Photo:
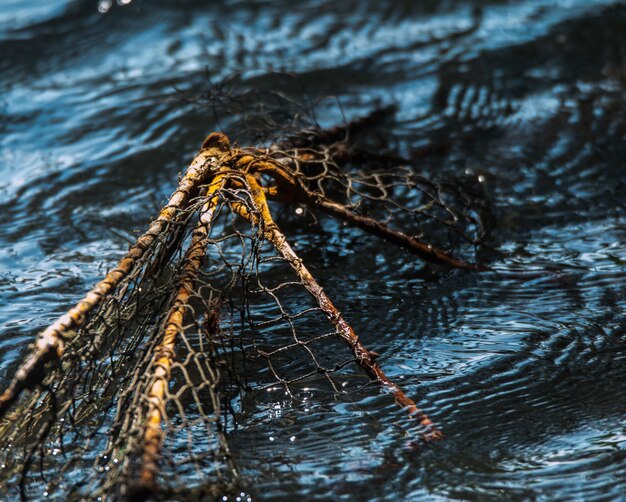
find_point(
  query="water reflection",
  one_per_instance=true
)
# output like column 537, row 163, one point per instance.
column 103, row 103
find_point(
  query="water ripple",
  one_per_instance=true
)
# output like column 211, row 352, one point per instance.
column 522, row 366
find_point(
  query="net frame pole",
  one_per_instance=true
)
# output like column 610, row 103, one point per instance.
column 365, row 358
column 153, row 435
column 50, row 344
column 287, row 182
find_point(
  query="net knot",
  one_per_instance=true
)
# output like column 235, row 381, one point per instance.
column 164, row 352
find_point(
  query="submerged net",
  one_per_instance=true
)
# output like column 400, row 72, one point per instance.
column 134, row 392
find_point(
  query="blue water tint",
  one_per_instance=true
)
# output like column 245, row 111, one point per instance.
column 102, row 104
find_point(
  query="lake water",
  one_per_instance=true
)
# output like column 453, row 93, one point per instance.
column 102, row 104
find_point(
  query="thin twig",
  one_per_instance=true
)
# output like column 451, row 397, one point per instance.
column 49, row 345
column 365, row 358
column 426, row 251
column 289, row 181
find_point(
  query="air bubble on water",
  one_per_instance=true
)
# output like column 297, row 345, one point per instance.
column 481, row 178
column 299, row 211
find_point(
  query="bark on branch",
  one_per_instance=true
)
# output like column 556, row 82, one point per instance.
column 288, row 181
column 365, row 358
column 164, row 352
column 49, row 345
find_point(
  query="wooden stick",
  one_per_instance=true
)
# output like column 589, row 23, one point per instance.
column 365, row 358
column 161, row 367
column 288, row 181
column 49, row 345
column 426, row 251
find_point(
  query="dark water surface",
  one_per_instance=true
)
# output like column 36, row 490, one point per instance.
column 524, row 367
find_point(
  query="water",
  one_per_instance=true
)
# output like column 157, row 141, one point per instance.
column 102, row 105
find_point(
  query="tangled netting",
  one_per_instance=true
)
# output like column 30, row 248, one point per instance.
column 134, row 391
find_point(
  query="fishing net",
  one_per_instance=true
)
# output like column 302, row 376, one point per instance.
column 133, row 393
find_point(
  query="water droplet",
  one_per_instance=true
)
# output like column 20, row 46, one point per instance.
column 292, row 438
column 299, row 210
column 104, row 6
column 481, row 178
column 271, row 438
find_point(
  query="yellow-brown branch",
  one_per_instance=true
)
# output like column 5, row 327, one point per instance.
column 49, row 345
column 153, row 432
column 364, row 357
column 289, row 182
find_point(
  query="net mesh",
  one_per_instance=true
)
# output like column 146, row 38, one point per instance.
column 444, row 214
column 148, row 380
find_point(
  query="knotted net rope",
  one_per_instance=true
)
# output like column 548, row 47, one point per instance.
column 135, row 390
